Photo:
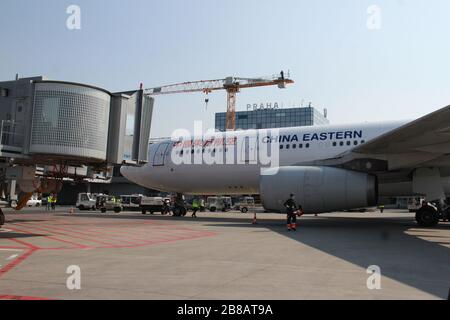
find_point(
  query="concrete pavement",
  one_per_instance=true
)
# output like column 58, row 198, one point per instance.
column 221, row 256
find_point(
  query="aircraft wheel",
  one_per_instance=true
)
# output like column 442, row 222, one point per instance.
column 427, row 217
column 178, row 212
column 244, row 210
column 2, row 218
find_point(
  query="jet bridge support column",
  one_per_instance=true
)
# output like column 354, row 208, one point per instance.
column 427, row 181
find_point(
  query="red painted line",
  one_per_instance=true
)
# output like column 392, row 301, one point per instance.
column 150, row 232
column 16, row 262
column 78, row 245
column 148, row 243
column 103, row 232
column 143, row 236
column 129, row 233
column 86, row 236
column 142, row 243
column 28, row 245
column 69, row 235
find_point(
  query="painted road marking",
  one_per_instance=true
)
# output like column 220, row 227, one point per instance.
column 12, row 257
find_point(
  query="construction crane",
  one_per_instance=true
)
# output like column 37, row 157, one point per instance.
column 231, row 84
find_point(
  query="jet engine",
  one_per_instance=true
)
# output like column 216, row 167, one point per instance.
column 317, row 189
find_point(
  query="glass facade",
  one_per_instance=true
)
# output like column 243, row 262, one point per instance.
column 70, row 119
column 273, row 118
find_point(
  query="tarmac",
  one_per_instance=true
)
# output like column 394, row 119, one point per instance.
column 90, row 255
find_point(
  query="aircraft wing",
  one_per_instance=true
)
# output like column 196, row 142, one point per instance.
column 423, row 142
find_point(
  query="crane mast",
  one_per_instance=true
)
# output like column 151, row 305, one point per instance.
column 232, row 85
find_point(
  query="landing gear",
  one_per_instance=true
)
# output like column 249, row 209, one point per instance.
column 179, row 209
column 2, row 218
column 427, row 216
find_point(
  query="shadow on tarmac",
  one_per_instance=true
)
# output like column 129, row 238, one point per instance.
column 392, row 244
column 15, row 235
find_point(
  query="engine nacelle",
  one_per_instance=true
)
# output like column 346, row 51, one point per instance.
column 317, row 189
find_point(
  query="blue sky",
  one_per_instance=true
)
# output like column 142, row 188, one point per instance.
column 401, row 71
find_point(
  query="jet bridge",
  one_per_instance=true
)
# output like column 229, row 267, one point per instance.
column 55, row 130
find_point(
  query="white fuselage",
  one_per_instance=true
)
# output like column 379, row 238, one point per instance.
column 224, row 163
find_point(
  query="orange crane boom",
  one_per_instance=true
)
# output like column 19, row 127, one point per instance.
column 231, row 84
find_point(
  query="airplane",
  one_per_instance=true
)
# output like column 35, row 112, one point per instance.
column 328, row 168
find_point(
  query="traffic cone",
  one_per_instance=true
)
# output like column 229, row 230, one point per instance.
column 254, row 218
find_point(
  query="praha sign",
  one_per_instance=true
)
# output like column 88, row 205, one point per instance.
column 263, row 106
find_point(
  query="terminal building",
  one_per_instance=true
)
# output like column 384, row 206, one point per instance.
column 265, row 118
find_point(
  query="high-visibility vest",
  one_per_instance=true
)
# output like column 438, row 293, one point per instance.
column 195, row 204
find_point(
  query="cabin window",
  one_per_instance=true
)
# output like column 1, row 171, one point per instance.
column 334, row 144
column 300, row 146
column 355, row 143
column 307, row 145
column 294, row 146
column 288, row 146
column 341, row 143
column 349, row 143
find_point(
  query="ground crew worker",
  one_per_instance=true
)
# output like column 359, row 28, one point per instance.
column 54, row 202
column 49, row 202
column 202, row 205
column 195, row 207
column 292, row 211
